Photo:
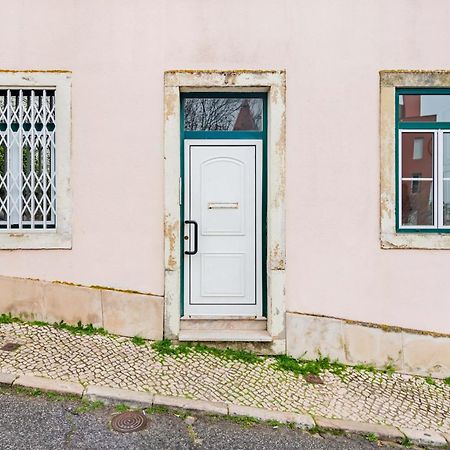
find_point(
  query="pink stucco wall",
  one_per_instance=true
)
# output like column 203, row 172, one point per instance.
column 332, row 51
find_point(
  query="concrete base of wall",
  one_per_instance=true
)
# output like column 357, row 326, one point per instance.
column 119, row 312
column 352, row 343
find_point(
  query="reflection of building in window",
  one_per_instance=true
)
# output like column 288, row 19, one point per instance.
column 418, row 148
column 410, row 110
column 417, row 178
column 415, row 185
column 223, row 114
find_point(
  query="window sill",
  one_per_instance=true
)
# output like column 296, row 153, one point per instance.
column 34, row 240
column 416, row 240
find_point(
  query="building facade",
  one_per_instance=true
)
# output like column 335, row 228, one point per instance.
column 271, row 174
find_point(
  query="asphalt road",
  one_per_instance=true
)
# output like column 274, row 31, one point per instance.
column 32, row 423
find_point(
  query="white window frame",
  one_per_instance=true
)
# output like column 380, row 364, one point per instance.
column 61, row 236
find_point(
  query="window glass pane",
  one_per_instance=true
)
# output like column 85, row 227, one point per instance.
column 417, row 155
column 446, row 156
column 417, row 202
column 223, row 114
column 424, row 108
column 446, row 200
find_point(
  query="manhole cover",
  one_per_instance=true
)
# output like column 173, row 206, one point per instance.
column 128, row 422
column 10, row 347
column 313, row 379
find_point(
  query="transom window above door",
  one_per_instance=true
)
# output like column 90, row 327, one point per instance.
column 423, row 160
column 209, row 112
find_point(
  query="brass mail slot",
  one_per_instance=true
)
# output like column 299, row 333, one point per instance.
column 234, row 205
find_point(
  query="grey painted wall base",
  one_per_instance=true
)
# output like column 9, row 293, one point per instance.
column 353, row 343
column 122, row 313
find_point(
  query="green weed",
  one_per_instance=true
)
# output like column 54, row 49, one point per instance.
column 429, row 380
column 447, row 381
column 166, row 348
column 79, row 328
column 406, row 442
column 389, row 369
column 372, row 437
column 121, row 407
column 87, row 406
column 307, row 367
column 365, row 368
column 137, row 340
column 157, row 409
column 8, row 318
column 243, row 421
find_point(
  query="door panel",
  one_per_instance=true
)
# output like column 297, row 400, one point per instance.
column 222, row 193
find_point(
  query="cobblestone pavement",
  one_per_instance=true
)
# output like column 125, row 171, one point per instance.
column 399, row 400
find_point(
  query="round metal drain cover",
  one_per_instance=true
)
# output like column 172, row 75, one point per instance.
column 128, row 422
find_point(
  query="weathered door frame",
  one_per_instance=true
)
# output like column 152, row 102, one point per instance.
column 273, row 83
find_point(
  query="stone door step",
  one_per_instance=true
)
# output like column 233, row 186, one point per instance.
column 223, row 323
column 218, row 335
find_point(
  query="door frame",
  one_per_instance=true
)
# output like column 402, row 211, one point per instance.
column 273, row 83
column 260, row 204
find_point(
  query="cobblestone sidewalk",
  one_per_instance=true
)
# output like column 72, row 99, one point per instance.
column 398, row 400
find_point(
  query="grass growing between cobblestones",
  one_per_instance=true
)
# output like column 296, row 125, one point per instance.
column 307, row 367
column 137, row 340
column 79, row 328
column 166, row 348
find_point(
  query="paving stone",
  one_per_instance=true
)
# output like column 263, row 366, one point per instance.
column 425, row 438
column 47, row 384
column 114, row 395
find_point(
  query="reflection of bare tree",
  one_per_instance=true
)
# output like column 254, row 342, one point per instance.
column 220, row 114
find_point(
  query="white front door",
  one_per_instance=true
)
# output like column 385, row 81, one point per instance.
column 222, row 231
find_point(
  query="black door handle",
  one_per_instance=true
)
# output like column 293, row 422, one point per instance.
column 193, row 222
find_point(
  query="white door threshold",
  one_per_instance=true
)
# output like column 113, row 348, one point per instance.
column 225, row 336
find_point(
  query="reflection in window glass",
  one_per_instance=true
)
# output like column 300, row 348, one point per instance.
column 411, row 149
column 223, row 114
column 418, row 148
column 424, row 108
column 417, row 202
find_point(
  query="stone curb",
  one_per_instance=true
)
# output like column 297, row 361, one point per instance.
column 384, row 432
column 146, row 399
column 300, row 420
column 186, row 403
column 7, row 379
column 425, row 438
column 113, row 395
column 48, row 384
column 447, row 437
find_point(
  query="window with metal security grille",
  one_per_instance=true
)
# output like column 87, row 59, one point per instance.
column 27, row 159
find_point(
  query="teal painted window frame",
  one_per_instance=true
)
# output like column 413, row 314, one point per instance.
column 413, row 126
column 259, row 135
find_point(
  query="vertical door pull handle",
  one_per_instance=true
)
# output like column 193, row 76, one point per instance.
column 193, row 222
